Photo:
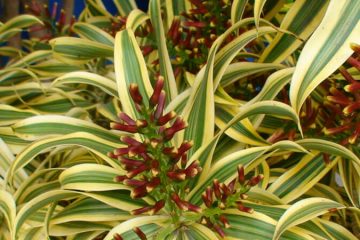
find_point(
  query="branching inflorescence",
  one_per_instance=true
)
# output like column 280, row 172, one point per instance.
column 157, row 169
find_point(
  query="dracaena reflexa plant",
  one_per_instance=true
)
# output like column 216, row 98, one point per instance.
column 223, row 150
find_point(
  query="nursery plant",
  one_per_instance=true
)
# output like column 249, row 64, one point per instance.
column 196, row 120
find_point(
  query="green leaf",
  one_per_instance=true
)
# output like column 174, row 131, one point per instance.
column 326, row 50
column 91, row 177
column 78, row 51
column 302, row 19
column 303, row 211
column 130, row 67
column 105, row 84
column 165, row 64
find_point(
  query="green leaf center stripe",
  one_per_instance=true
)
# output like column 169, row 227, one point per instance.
column 296, row 26
column 250, row 228
column 64, row 128
column 312, row 169
column 342, row 29
column 226, row 117
column 132, row 74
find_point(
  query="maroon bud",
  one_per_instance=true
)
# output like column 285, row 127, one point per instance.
column 242, row 208
column 255, row 180
column 241, row 174
column 137, row 150
column 231, row 186
column 219, row 230
column 117, row 237
column 170, row 151
column 192, row 207
column 206, row 200
column 183, row 160
column 178, row 125
column 141, row 210
column 226, row 191
column 146, row 49
column 130, row 164
column 355, row 134
column 154, row 99
column 176, row 199
column 157, row 207
column 224, row 221
column 160, row 105
column 138, row 192
column 354, row 87
column 140, row 233
column 216, row 188
column 177, row 176
column 134, row 182
column 120, row 178
column 193, row 169
column 166, row 118
column 153, row 184
column 196, row 24
column 136, row 171
column 141, row 123
column 185, row 146
column 130, row 141
column 123, row 127
column 121, row 151
column 135, row 94
column 351, row 108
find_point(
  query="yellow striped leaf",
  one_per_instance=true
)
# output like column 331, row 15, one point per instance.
column 91, row 177
column 302, row 19
column 303, row 211
column 105, row 84
column 326, row 50
column 165, row 64
column 130, row 67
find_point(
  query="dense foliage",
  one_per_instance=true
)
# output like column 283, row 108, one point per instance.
column 211, row 119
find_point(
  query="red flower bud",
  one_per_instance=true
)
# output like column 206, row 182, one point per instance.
column 178, row 202
column 166, row 118
column 354, row 87
column 192, row 207
column 135, row 94
column 120, row 178
column 351, row 108
column 241, row 174
column 178, row 125
column 224, row 221
column 134, row 182
column 130, row 141
column 117, row 237
column 141, row 210
column 137, row 150
column 146, row 49
column 121, row 151
column 160, row 105
column 138, row 192
column 157, row 207
column 153, row 184
column 136, row 171
column 242, row 208
column 255, row 180
column 140, row 233
column 219, row 230
column 123, row 127
column 216, row 188
column 154, row 99
column 177, row 176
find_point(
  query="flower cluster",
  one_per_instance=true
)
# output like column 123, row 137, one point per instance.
column 191, row 38
column 156, row 169
column 54, row 24
column 221, row 196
